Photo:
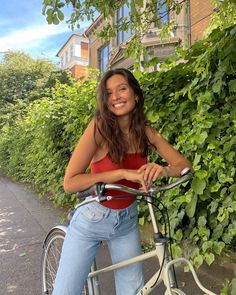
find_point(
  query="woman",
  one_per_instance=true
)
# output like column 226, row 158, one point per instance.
column 115, row 146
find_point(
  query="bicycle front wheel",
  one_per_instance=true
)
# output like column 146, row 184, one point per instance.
column 50, row 260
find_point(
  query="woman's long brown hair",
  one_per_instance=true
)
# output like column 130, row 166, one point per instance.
column 107, row 123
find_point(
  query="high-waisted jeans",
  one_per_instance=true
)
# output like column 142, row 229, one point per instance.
column 90, row 225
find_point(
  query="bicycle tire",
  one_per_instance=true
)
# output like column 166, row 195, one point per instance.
column 50, row 261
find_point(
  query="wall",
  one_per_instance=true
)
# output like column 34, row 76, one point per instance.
column 200, row 13
column 79, row 71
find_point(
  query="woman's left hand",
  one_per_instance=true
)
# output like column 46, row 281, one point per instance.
column 151, row 172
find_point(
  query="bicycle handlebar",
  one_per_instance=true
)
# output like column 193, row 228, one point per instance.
column 100, row 188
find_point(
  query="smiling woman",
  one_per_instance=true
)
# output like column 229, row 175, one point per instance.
column 115, row 146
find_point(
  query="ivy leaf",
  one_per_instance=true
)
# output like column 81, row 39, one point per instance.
column 141, row 220
column 201, row 174
column 197, row 158
column 198, row 185
column 202, row 221
column 198, row 260
column 191, row 206
column 200, row 137
column 232, row 86
column 233, row 286
column 218, row 247
column 217, row 86
column 209, row 258
column 207, row 245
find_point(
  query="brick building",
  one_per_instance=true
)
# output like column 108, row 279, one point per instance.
column 190, row 24
column 200, row 12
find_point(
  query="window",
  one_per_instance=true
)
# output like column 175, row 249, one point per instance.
column 122, row 13
column 163, row 13
column 103, row 58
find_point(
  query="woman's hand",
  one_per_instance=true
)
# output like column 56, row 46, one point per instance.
column 151, row 171
column 135, row 176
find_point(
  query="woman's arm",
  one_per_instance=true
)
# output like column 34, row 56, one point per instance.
column 176, row 162
column 75, row 177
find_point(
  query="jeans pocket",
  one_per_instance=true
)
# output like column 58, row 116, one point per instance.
column 133, row 214
column 91, row 214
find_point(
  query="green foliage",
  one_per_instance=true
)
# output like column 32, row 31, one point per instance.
column 37, row 147
column 229, row 286
column 191, row 102
column 23, row 77
column 193, row 106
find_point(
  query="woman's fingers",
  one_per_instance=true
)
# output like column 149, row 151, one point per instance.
column 151, row 172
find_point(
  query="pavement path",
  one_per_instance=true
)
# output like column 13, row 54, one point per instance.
column 24, row 221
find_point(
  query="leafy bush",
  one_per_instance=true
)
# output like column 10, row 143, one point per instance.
column 193, row 106
column 48, row 134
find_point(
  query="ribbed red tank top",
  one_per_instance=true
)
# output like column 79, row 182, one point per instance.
column 131, row 161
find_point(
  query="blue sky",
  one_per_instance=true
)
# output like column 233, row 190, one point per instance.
column 24, row 28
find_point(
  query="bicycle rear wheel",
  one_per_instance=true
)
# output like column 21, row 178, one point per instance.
column 50, row 260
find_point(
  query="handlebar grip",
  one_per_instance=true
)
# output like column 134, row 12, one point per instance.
column 186, row 171
column 96, row 189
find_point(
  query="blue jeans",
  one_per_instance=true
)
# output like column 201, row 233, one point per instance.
column 90, row 225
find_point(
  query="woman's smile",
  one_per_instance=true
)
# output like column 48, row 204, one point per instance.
column 119, row 104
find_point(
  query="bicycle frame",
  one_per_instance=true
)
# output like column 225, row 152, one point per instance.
column 165, row 273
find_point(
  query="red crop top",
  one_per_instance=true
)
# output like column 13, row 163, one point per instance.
column 131, row 161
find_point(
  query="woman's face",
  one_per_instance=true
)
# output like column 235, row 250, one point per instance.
column 121, row 98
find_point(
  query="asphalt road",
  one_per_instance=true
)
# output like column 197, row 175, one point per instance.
column 24, row 222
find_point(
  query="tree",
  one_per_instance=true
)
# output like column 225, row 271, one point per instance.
column 142, row 14
column 25, row 78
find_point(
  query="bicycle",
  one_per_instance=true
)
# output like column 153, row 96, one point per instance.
column 54, row 240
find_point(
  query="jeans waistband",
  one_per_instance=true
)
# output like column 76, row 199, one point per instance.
column 106, row 211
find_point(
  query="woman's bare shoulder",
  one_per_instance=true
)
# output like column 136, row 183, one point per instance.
column 152, row 134
column 96, row 126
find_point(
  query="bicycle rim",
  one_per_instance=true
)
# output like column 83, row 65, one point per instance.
column 50, row 259
column 50, row 262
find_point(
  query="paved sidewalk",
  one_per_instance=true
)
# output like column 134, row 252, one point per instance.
column 24, row 221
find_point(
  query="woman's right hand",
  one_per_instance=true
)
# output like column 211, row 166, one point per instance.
column 135, row 176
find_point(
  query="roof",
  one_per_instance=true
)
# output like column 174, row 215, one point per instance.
column 94, row 25
column 79, row 35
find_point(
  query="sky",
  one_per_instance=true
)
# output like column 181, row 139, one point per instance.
column 24, row 28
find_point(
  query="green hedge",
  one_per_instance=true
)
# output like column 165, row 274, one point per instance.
column 193, row 106
column 192, row 103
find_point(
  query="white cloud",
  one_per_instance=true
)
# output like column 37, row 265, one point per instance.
column 30, row 37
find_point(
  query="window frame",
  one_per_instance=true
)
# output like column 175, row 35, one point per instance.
column 164, row 10
column 121, row 13
column 101, row 64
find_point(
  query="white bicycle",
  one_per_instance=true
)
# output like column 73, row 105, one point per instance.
column 166, row 273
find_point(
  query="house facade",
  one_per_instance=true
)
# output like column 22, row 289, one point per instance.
column 191, row 22
column 189, row 26
column 74, row 55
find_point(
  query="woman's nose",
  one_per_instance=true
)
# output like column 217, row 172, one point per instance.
column 115, row 95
